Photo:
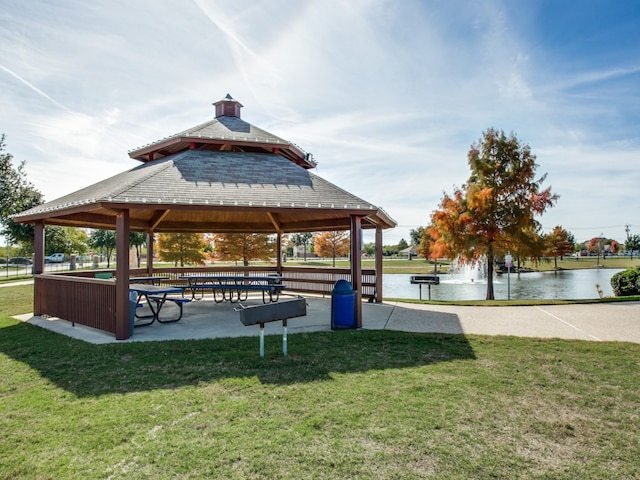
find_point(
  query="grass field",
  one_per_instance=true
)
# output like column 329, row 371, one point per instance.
column 348, row 404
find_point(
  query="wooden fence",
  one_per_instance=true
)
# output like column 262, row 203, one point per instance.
column 86, row 301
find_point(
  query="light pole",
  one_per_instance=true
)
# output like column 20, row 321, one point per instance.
column 6, row 240
column 508, row 261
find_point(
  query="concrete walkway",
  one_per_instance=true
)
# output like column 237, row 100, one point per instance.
column 597, row 322
column 15, row 284
column 206, row 319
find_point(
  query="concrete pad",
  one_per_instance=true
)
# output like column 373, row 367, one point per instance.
column 201, row 319
column 64, row 327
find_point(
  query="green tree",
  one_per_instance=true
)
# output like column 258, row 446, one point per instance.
column 416, row 235
column 369, row 248
column 633, row 243
column 104, row 241
column 182, row 248
column 390, row 250
column 16, row 195
column 138, row 240
column 402, row 244
column 245, row 247
column 559, row 242
column 494, row 212
column 65, row 240
column 302, row 240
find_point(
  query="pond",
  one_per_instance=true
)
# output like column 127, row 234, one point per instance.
column 561, row 285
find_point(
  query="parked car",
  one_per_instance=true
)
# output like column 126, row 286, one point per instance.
column 20, row 261
column 56, row 258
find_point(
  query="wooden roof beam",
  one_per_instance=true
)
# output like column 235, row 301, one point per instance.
column 158, row 216
column 275, row 222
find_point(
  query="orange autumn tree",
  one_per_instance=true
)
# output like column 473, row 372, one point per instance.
column 430, row 248
column 559, row 242
column 495, row 211
column 244, row 246
column 332, row 244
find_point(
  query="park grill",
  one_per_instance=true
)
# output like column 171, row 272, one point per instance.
column 272, row 312
column 425, row 280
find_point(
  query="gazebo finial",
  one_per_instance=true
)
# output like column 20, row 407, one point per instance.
column 228, row 107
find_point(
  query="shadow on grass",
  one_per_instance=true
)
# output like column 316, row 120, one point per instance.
column 87, row 370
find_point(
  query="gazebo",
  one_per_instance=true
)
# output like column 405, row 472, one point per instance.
column 222, row 176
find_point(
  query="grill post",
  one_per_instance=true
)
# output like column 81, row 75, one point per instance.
column 284, row 337
column 425, row 279
column 262, row 340
column 272, row 312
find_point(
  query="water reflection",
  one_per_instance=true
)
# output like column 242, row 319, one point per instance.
column 562, row 285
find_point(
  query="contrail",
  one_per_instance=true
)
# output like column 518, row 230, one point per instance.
column 229, row 33
column 34, row 88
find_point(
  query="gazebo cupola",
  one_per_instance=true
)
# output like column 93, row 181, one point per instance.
column 225, row 132
column 228, row 107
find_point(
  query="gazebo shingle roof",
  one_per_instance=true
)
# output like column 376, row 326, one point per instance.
column 219, row 184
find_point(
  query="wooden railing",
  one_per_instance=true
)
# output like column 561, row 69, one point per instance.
column 322, row 280
column 297, row 279
column 86, row 301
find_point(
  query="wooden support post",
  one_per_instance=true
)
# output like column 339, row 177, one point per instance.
column 122, row 275
column 279, row 252
column 356, row 266
column 150, row 246
column 38, row 247
column 38, row 263
column 378, row 298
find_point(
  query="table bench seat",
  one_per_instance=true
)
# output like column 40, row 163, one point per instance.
column 256, row 288
column 179, row 301
column 273, row 289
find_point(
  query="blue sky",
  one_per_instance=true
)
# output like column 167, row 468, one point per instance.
column 387, row 95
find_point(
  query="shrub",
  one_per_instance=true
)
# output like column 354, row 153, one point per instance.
column 626, row 283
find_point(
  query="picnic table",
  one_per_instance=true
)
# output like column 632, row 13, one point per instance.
column 155, row 297
column 235, row 288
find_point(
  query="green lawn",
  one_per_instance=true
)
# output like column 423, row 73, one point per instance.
column 348, row 404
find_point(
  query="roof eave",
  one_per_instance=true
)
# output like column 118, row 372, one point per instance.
column 74, row 215
column 284, row 148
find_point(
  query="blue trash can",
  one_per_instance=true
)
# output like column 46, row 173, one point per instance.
column 343, row 306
